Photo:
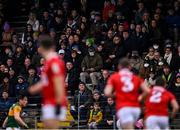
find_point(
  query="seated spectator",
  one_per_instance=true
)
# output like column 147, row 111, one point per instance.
column 7, row 35
column 175, row 88
column 33, row 21
column 91, row 66
column 168, row 76
column 72, row 77
column 102, row 81
column 82, row 99
column 32, row 76
column 95, row 116
column 98, row 98
column 5, row 101
column 109, row 114
column 5, row 104
column 21, row 85
column 7, row 86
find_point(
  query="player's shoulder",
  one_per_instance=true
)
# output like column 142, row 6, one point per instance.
column 115, row 75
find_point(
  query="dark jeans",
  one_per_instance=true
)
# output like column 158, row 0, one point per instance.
column 82, row 114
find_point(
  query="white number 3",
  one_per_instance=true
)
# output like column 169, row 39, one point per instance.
column 156, row 97
column 128, row 85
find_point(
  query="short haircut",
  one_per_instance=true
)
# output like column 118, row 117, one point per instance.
column 46, row 42
column 160, row 81
column 124, row 63
column 21, row 97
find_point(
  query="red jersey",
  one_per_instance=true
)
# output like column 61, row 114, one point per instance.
column 157, row 102
column 126, row 86
column 54, row 66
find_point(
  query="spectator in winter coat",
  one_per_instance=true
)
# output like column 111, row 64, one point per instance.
column 21, row 85
column 91, row 66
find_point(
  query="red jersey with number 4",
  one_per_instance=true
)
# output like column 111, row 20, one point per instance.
column 126, row 86
column 157, row 102
column 53, row 67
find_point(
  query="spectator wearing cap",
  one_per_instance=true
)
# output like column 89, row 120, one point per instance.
column 21, row 85
column 81, row 101
column 72, row 78
column 91, row 66
column 63, row 55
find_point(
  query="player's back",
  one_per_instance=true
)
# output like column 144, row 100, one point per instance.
column 126, row 86
column 53, row 67
column 157, row 101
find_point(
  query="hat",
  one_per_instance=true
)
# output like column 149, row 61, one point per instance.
column 91, row 49
column 168, row 46
column 90, row 41
column 96, row 92
column 61, row 51
column 20, row 77
column 178, row 75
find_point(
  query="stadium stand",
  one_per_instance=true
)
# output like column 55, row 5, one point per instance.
column 90, row 36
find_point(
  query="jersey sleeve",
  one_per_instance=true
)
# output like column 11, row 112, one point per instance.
column 17, row 109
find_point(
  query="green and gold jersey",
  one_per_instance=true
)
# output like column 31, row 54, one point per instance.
column 15, row 108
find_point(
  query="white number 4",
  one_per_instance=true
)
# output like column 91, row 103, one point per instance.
column 128, row 85
column 156, row 97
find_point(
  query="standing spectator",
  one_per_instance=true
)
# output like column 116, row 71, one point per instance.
column 95, row 116
column 72, row 77
column 91, row 66
column 19, row 56
column 82, row 99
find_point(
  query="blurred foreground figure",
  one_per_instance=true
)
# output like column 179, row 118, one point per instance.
column 126, row 86
column 52, row 85
column 157, row 103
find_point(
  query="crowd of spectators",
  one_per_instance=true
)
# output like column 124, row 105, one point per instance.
column 91, row 36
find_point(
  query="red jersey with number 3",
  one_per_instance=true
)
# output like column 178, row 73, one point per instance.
column 126, row 86
column 157, row 102
column 53, row 67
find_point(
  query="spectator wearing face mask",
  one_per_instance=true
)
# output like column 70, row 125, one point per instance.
column 91, row 66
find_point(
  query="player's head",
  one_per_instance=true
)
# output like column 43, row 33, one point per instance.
column 160, row 81
column 96, row 106
column 124, row 63
column 23, row 100
column 46, row 43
